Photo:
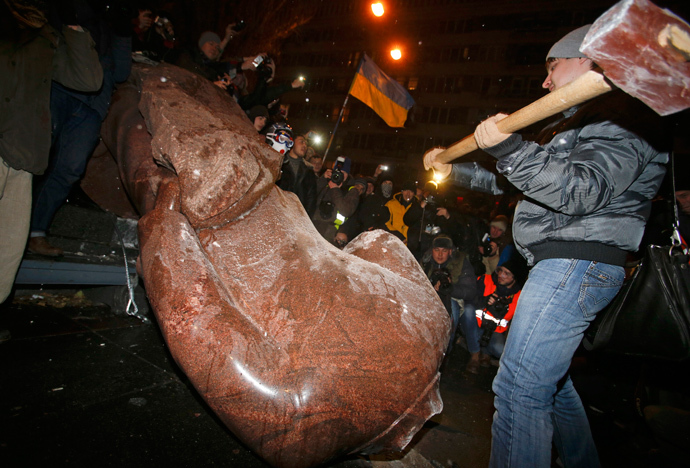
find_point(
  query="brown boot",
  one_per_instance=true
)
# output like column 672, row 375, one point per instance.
column 484, row 360
column 40, row 245
column 473, row 364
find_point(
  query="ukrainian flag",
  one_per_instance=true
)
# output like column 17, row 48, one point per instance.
column 388, row 98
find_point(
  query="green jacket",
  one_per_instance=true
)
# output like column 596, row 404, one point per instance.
column 27, row 66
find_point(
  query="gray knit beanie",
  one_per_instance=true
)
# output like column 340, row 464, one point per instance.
column 569, row 45
column 208, row 36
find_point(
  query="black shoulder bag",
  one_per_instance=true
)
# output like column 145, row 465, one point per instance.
column 650, row 316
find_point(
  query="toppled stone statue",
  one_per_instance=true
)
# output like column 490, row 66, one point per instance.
column 304, row 351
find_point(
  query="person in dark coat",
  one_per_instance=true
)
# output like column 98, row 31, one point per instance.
column 452, row 276
column 299, row 178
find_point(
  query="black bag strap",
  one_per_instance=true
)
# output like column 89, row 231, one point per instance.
column 675, row 234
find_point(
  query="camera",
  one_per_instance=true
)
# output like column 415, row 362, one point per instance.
column 432, row 229
column 240, row 25
column 337, row 175
column 486, row 245
column 262, row 69
column 258, row 61
column 429, row 214
column 442, row 275
column 500, row 307
column 162, row 22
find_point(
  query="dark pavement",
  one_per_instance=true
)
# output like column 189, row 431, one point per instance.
column 85, row 385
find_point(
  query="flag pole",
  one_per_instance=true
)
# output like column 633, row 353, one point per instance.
column 342, row 110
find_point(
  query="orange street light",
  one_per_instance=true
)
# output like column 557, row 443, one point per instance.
column 396, row 54
column 377, row 9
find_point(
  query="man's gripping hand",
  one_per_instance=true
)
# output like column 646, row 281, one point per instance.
column 441, row 170
column 487, row 133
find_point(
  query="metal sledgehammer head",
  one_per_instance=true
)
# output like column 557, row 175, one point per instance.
column 644, row 50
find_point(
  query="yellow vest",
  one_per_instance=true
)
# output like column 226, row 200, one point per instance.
column 395, row 223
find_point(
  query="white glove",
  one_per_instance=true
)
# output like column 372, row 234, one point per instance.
column 441, row 170
column 487, row 133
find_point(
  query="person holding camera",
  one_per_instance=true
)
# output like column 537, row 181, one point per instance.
column 427, row 219
column 154, row 35
column 452, row 276
column 204, row 60
column 486, row 327
column 398, row 206
column 263, row 93
column 493, row 247
column 490, row 254
column 333, row 204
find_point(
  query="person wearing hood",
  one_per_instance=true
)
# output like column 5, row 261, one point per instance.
column 335, row 205
column 398, row 206
column 258, row 115
column 486, row 328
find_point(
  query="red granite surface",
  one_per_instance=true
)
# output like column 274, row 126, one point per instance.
column 305, row 352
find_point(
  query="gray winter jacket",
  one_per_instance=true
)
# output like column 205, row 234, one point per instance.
column 589, row 179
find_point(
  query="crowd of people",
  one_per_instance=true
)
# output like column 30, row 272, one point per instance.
column 61, row 67
column 52, row 157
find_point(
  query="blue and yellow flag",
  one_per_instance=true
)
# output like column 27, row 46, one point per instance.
column 388, row 98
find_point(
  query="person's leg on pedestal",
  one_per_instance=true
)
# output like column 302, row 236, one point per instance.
column 76, row 129
column 15, row 214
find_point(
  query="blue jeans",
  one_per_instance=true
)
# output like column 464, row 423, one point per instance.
column 535, row 398
column 456, row 311
column 76, row 130
column 470, row 328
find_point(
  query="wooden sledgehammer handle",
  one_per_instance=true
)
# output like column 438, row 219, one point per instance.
column 586, row 87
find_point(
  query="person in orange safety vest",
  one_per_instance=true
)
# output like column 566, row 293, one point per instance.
column 495, row 308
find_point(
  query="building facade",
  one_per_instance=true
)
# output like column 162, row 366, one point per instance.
column 461, row 62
